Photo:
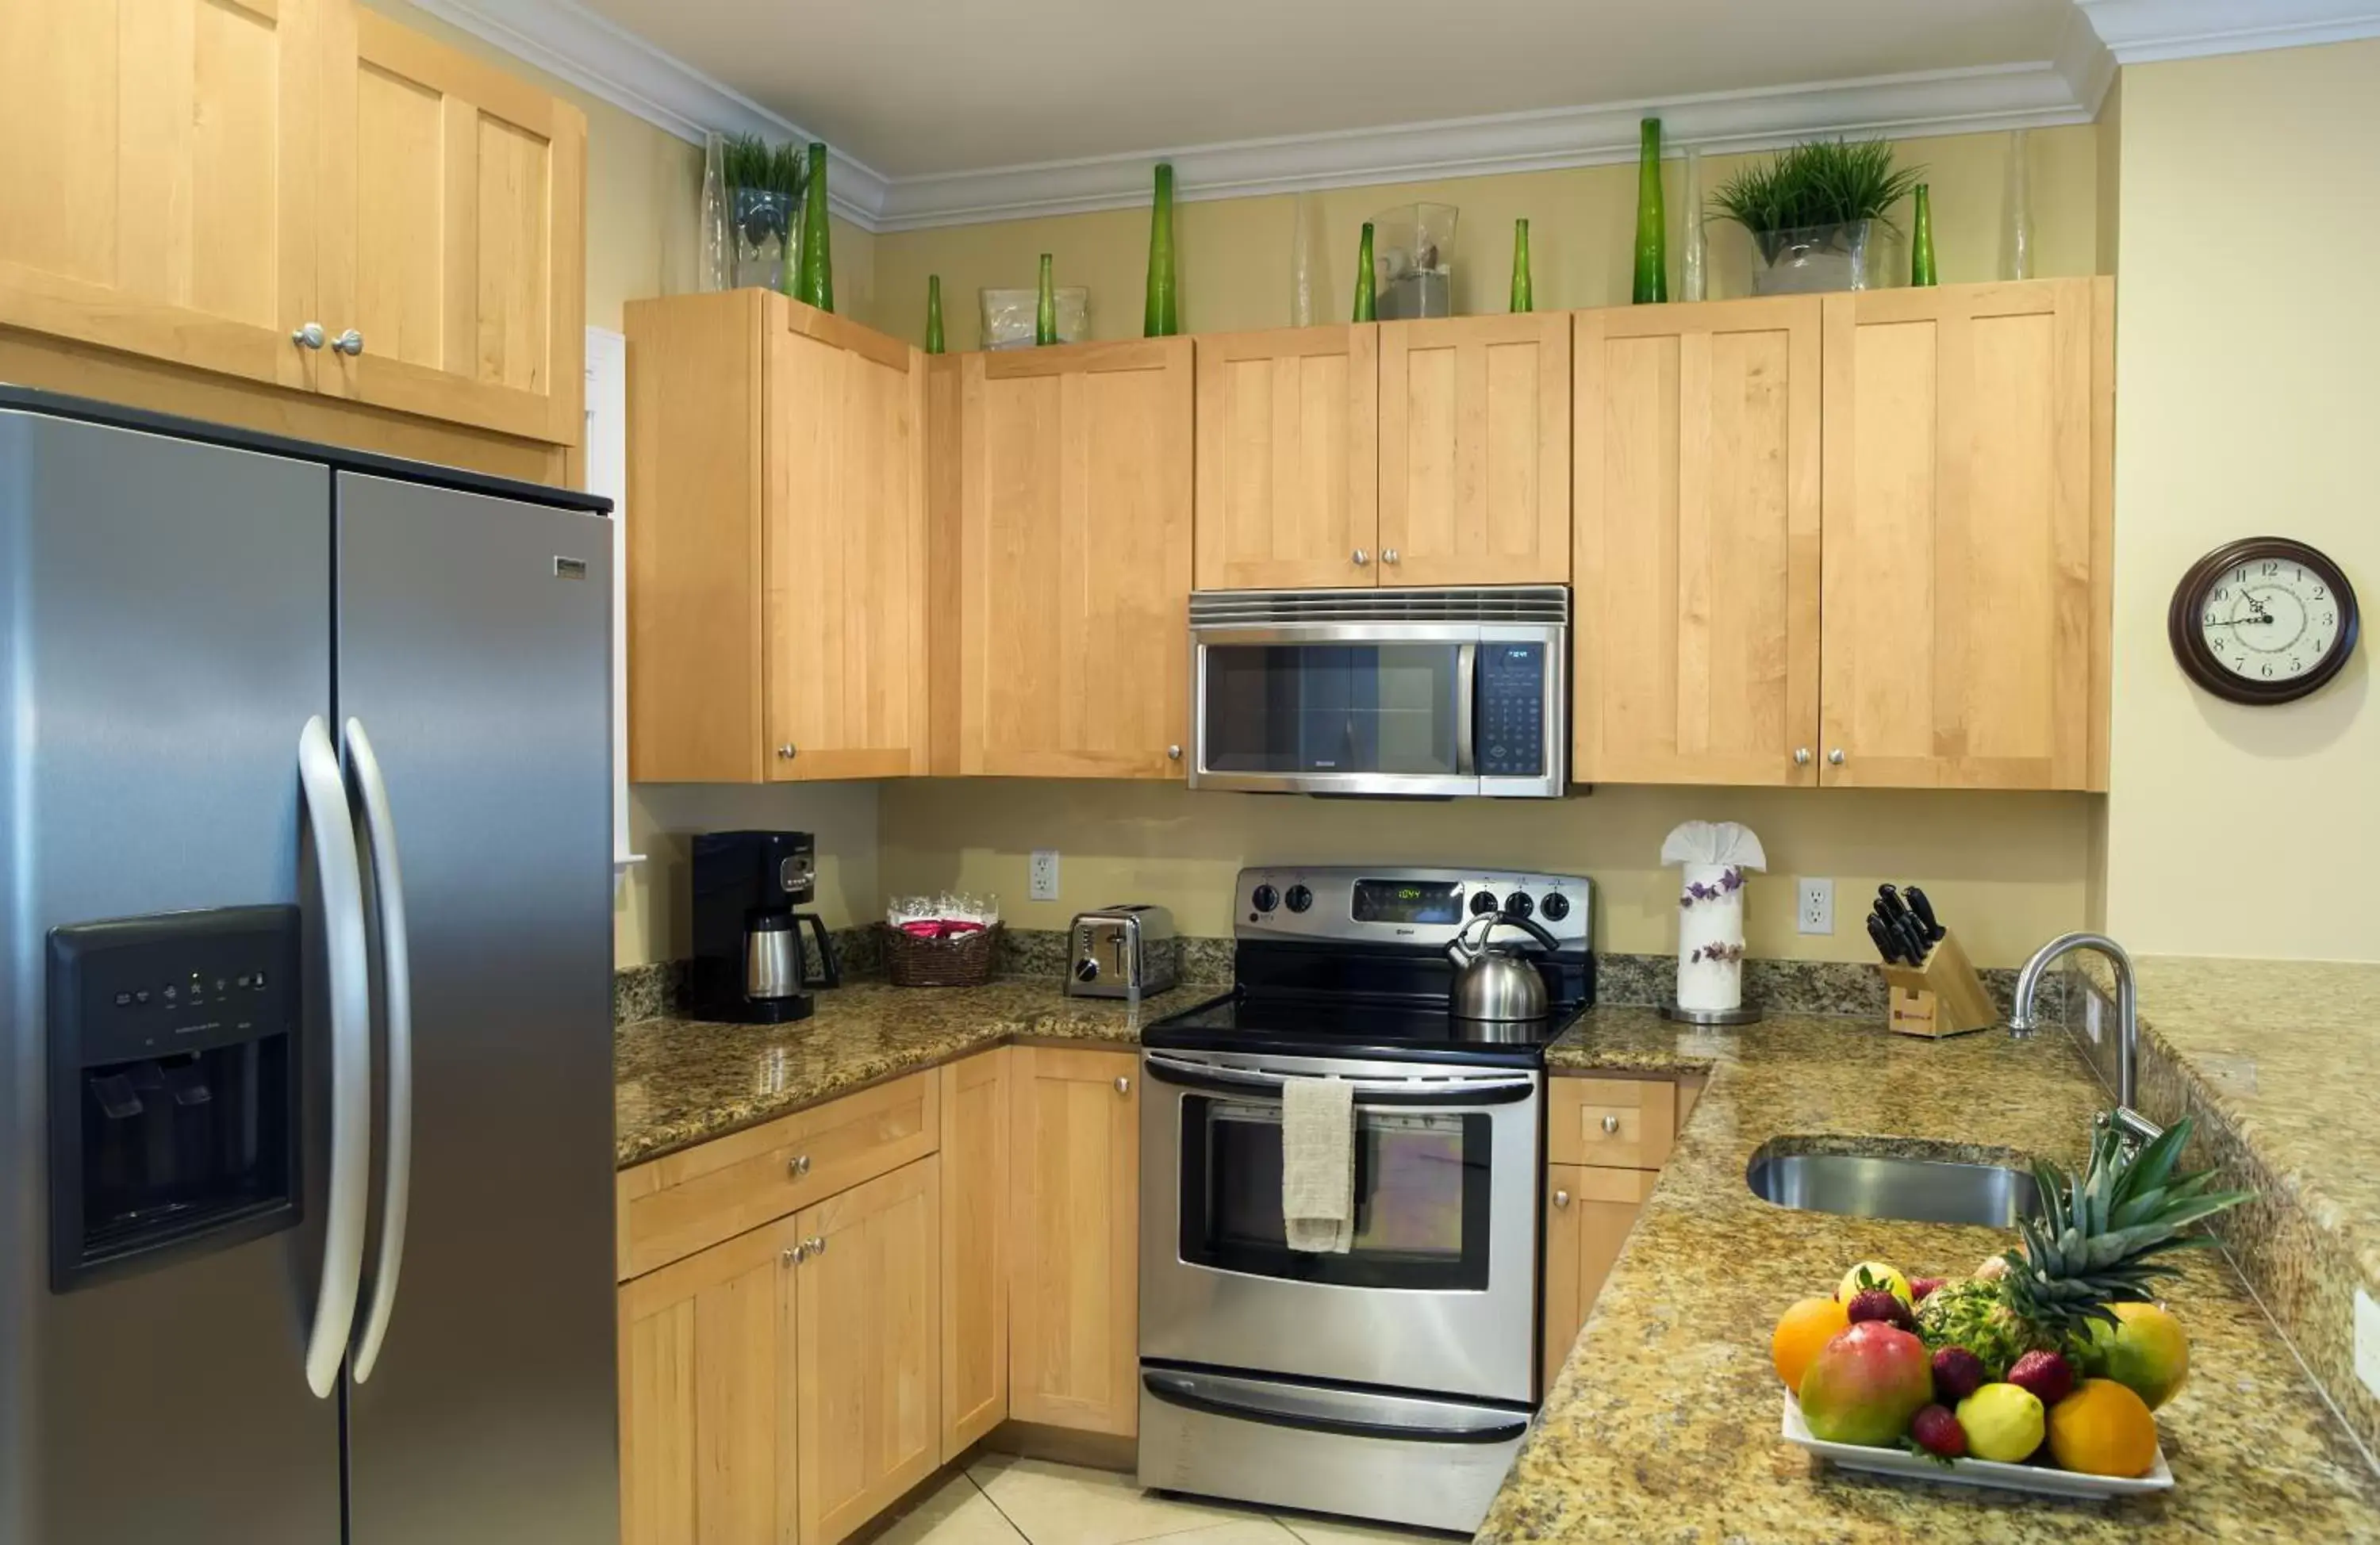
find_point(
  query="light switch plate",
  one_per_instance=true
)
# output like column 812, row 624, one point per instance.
column 1814, row 905
column 1044, row 873
column 2367, row 1342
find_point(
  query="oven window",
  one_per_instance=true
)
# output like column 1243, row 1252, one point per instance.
column 1331, row 708
column 1421, row 1197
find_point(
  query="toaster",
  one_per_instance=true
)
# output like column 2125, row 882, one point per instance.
column 1121, row 952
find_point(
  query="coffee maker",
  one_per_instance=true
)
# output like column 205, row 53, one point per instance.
column 748, row 963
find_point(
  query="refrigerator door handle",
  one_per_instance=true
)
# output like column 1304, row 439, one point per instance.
column 396, row 990
column 351, row 996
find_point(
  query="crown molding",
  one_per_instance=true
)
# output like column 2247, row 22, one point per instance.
column 572, row 43
column 1941, row 102
column 2143, row 32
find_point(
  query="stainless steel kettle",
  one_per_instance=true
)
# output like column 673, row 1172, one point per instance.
column 1494, row 980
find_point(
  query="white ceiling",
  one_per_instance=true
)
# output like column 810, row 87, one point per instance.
column 918, row 88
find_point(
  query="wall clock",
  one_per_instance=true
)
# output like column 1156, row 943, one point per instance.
column 2264, row 619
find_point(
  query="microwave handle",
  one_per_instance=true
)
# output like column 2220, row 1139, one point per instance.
column 1466, row 703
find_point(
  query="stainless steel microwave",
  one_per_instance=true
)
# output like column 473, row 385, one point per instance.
column 1428, row 692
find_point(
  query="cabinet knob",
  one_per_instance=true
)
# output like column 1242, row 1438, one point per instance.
column 786, row 753
column 815, row 1244
column 1387, row 555
column 1562, row 1198
column 309, row 336
column 1123, row 1086
column 1835, row 757
column 349, row 343
column 798, row 1167
column 794, row 1256
column 1801, row 757
column 1610, row 1124
column 1362, row 556
column 1173, row 754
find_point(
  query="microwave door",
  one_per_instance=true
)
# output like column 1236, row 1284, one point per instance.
column 1347, row 710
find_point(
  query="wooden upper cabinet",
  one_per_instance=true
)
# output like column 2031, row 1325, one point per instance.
column 452, row 235
column 157, row 195
column 1288, row 458
column 1695, row 625
column 1475, row 451
column 776, row 544
column 1075, row 1271
column 1073, row 560
column 1966, row 521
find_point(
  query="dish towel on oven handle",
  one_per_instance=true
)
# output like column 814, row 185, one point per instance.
column 1317, row 1165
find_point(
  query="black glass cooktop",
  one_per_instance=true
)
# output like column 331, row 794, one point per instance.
column 1354, row 1025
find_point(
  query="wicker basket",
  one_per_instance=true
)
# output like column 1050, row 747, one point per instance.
column 964, row 960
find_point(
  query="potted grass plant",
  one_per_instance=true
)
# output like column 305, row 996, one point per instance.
column 1814, row 211
column 764, row 193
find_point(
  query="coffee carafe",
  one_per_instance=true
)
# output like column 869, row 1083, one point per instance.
column 750, row 966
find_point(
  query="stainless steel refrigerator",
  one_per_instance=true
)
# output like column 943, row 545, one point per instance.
column 305, row 997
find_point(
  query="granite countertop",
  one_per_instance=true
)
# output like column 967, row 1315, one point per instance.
column 1664, row 1422
column 677, row 1082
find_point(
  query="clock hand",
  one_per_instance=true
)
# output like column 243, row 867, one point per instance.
column 2244, row 622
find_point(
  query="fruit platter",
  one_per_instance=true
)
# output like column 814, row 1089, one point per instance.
column 2041, row 1371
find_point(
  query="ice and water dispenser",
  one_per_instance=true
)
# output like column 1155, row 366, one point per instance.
column 173, row 1087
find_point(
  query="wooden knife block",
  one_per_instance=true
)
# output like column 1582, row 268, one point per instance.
column 1938, row 997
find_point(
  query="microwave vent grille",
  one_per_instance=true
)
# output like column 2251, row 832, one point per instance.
column 1506, row 603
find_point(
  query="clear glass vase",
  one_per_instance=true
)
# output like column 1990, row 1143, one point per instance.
column 718, row 260
column 2016, row 211
column 1812, row 259
column 1694, row 254
column 1309, row 264
column 763, row 221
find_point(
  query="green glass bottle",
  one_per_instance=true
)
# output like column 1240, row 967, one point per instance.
column 933, row 313
column 817, row 267
column 1523, row 292
column 1920, row 240
column 1161, row 318
column 1652, row 285
column 1364, row 309
column 1045, row 309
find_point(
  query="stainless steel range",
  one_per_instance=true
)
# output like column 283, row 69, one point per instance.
column 1392, row 1380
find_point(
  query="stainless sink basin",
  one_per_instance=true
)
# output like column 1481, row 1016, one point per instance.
column 1914, row 1189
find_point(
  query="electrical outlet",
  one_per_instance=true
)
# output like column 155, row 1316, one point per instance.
column 1814, row 908
column 2367, row 1342
column 1044, row 873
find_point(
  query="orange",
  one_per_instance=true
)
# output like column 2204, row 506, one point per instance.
column 1806, row 1327
column 2102, row 1429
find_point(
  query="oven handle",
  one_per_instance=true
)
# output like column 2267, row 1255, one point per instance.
column 1176, row 1388
column 1448, row 1091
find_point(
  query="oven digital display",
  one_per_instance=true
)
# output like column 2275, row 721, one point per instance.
column 1408, row 901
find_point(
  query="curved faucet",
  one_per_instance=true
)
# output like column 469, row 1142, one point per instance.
column 2136, row 1127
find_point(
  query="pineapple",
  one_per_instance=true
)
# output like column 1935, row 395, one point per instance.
column 2099, row 1241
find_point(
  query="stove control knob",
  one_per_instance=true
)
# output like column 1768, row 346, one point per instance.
column 1266, row 898
column 1556, row 907
column 1482, row 902
column 1519, row 904
column 1300, row 899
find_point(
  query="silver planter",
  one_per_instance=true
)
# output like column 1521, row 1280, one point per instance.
column 1811, row 260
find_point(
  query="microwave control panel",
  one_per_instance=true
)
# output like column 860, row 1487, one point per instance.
column 1510, row 740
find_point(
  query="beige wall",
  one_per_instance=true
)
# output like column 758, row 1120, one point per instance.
column 2247, row 333
column 1234, row 254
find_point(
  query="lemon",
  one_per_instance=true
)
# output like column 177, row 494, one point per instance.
column 1878, row 1274
column 2002, row 1422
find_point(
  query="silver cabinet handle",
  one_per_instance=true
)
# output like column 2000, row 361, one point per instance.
column 1387, row 555
column 1173, row 754
column 1362, row 556
column 799, row 1165
column 1836, row 756
column 396, row 997
column 815, row 1244
column 1123, row 1086
column 786, row 753
column 1610, row 1124
column 1801, row 757
column 309, row 336
column 794, row 1255
column 1562, row 1198
column 349, row 343
column 350, row 995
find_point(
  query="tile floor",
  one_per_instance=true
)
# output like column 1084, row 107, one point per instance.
column 1001, row 1499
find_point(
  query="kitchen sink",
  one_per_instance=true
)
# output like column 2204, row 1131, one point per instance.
column 1896, row 1184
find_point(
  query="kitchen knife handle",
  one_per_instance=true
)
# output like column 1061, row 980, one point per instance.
column 1884, row 943
column 1924, row 911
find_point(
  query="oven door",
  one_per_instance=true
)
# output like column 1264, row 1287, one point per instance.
column 1437, row 1291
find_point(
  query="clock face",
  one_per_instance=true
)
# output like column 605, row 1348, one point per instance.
column 2262, row 620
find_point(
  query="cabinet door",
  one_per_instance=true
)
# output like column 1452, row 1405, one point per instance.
column 1696, row 466
column 1588, row 1213
column 1964, row 581
column 1074, row 561
column 453, row 237
column 1074, row 1294
column 158, row 194
column 868, row 1397
column 706, row 1419
column 1288, row 458
column 976, row 1148
column 1475, row 451
column 844, row 548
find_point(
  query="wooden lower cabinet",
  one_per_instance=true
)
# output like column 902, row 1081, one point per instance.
column 1074, row 1283
column 1589, row 1211
column 976, row 1149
